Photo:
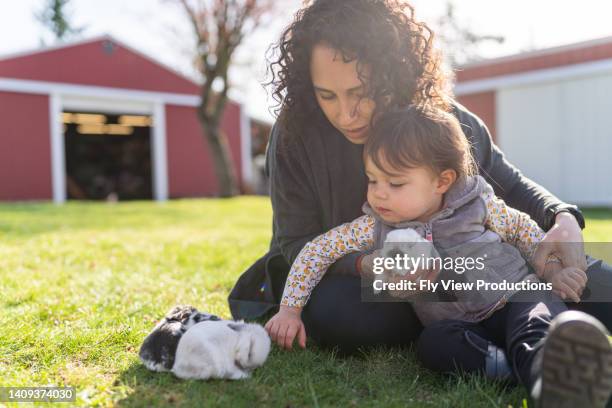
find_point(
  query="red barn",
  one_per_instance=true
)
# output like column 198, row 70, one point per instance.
column 97, row 119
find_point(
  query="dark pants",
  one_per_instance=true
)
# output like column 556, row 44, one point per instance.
column 519, row 328
column 336, row 316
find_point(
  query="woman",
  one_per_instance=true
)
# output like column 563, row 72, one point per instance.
column 341, row 63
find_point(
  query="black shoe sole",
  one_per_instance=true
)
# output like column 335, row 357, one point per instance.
column 576, row 363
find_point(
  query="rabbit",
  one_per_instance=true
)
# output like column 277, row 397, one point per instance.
column 402, row 242
column 159, row 348
column 221, row 349
column 405, row 241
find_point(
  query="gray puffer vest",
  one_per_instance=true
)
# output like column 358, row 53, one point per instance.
column 459, row 231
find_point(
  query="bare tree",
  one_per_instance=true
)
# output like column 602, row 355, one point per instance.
column 55, row 18
column 459, row 42
column 220, row 26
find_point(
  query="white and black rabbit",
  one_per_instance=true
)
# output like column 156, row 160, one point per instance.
column 221, row 349
column 159, row 348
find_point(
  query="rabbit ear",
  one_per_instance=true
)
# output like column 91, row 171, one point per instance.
column 181, row 313
column 244, row 346
column 174, row 311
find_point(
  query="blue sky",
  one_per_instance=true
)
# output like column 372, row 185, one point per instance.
column 158, row 28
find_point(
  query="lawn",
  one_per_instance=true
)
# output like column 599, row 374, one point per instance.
column 82, row 284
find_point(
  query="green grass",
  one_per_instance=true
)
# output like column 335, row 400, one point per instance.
column 82, row 284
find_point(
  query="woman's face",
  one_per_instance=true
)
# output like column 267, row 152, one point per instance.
column 340, row 93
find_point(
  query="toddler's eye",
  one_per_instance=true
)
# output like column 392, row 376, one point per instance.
column 371, row 181
column 396, row 185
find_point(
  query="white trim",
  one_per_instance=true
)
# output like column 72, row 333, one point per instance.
column 159, row 158
column 46, row 88
column 159, row 153
column 537, row 53
column 58, row 161
column 113, row 106
column 245, row 147
column 531, row 77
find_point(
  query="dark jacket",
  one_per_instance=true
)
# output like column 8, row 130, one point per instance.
column 317, row 181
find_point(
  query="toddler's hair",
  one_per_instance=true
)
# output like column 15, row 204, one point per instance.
column 419, row 136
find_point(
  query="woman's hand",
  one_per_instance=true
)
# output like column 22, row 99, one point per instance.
column 564, row 240
column 285, row 325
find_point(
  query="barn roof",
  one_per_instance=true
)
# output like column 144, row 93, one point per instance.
column 578, row 53
column 101, row 61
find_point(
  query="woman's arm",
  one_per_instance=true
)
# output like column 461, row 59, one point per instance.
column 563, row 222
column 295, row 206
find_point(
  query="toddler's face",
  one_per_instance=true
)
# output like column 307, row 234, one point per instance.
column 412, row 194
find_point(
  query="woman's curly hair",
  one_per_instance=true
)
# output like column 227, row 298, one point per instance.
column 383, row 35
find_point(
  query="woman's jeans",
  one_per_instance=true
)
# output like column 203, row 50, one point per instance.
column 335, row 316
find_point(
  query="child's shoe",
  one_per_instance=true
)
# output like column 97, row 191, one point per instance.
column 576, row 363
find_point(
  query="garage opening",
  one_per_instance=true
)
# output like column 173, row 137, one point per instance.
column 108, row 156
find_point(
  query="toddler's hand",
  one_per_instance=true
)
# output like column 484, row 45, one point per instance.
column 569, row 283
column 284, row 326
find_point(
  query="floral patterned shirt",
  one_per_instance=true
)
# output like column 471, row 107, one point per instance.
column 513, row 226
